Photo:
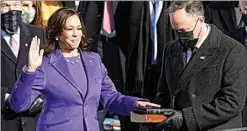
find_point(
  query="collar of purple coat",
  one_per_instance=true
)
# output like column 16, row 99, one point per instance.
column 59, row 63
column 57, row 54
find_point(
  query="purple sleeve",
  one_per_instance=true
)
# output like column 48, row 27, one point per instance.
column 112, row 100
column 27, row 89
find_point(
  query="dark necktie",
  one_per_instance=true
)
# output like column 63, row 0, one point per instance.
column 13, row 45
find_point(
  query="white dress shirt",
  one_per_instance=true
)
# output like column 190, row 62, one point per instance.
column 7, row 37
column 198, row 44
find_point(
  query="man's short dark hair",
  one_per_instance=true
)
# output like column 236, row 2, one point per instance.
column 193, row 8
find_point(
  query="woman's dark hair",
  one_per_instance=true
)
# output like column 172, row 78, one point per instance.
column 38, row 15
column 55, row 27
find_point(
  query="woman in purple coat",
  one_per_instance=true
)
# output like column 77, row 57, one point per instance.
column 70, row 79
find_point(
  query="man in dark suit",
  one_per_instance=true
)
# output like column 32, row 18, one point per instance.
column 97, row 17
column 241, row 36
column 145, row 32
column 16, row 37
column 224, row 14
column 203, row 76
column 147, row 36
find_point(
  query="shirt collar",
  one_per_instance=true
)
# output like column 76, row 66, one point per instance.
column 4, row 33
column 198, row 45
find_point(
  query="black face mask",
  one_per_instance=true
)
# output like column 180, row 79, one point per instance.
column 244, row 19
column 187, row 39
column 10, row 21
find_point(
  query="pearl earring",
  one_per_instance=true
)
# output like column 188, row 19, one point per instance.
column 56, row 39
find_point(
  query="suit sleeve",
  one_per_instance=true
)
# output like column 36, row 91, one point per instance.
column 229, row 101
column 27, row 88
column 4, row 90
column 111, row 99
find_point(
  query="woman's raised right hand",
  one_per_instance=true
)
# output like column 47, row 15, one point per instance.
column 35, row 55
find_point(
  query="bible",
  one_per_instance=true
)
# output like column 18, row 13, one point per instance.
column 149, row 115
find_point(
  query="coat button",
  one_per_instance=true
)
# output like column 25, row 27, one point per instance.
column 24, row 123
column 99, row 15
column 193, row 96
column 17, row 71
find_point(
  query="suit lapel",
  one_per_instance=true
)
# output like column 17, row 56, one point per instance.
column 59, row 63
column 206, row 53
column 159, row 12
column 25, row 41
column 88, row 61
column 178, row 58
column 200, row 59
column 114, row 6
column 7, row 51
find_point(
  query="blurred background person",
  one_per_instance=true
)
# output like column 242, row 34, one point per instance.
column 28, row 11
column 16, row 38
column 145, row 34
column 140, row 29
column 241, row 35
column 31, row 13
column 49, row 7
column 225, row 15
column 38, row 12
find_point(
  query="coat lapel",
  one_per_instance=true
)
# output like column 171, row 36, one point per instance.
column 206, row 53
column 59, row 63
column 178, row 59
column 87, row 62
column 25, row 41
column 114, row 6
column 7, row 51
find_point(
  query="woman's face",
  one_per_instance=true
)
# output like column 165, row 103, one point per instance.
column 28, row 11
column 70, row 37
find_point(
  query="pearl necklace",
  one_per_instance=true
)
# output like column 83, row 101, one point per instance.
column 75, row 61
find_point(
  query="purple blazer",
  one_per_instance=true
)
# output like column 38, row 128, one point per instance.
column 65, row 108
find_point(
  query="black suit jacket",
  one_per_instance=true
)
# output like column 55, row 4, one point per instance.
column 221, row 14
column 211, row 89
column 240, row 35
column 69, row 4
column 138, row 48
column 92, row 15
column 11, row 68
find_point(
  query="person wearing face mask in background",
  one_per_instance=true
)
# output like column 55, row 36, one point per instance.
column 28, row 11
column 31, row 13
column 38, row 12
column 241, row 36
column 16, row 38
column 203, row 76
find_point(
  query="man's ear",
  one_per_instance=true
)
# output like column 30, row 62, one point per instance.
column 202, row 19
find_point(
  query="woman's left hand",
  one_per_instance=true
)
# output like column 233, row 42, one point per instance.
column 145, row 104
